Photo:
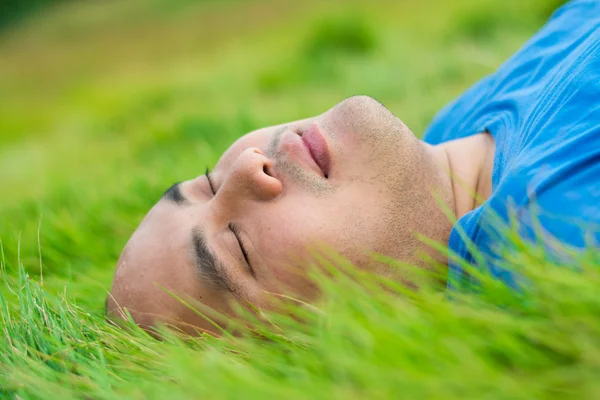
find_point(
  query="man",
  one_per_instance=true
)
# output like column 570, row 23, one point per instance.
column 523, row 142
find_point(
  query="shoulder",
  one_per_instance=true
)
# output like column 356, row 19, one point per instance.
column 562, row 57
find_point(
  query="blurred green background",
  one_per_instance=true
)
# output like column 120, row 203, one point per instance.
column 104, row 104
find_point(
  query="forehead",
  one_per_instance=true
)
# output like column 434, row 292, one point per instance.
column 160, row 246
column 157, row 277
column 165, row 223
column 155, row 262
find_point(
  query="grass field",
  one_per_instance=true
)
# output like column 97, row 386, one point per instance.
column 105, row 104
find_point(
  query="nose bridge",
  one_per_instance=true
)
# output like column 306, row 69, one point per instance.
column 249, row 179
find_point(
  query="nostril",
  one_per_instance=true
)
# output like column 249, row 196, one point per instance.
column 265, row 169
column 268, row 169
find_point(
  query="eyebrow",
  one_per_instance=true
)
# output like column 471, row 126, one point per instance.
column 208, row 266
column 174, row 194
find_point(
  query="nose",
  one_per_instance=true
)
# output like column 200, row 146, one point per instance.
column 251, row 178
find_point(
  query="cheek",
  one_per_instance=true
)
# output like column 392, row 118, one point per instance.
column 351, row 222
column 289, row 237
column 288, row 232
column 290, row 251
column 284, row 237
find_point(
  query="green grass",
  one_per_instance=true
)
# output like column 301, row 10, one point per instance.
column 106, row 104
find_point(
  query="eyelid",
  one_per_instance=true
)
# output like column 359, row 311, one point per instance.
column 207, row 174
column 236, row 231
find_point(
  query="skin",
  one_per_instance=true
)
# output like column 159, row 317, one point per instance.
column 383, row 188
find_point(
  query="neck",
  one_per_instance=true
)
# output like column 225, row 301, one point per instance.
column 469, row 162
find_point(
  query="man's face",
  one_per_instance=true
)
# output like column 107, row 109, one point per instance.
column 345, row 179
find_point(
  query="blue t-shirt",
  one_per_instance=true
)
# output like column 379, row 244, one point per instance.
column 543, row 109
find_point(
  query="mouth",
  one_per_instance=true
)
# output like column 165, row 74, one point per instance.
column 315, row 141
column 307, row 147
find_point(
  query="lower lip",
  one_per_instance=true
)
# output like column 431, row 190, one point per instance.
column 315, row 141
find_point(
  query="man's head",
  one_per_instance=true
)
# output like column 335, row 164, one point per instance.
column 354, row 178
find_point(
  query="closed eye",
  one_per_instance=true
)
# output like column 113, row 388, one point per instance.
column 236, row 231
column 234, row 228
column 207, row 174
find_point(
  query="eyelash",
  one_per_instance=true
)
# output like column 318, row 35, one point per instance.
column 209, row 181
column 236, row 232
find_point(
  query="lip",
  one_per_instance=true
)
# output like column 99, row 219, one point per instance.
column 297, row 148
column 315, row 141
